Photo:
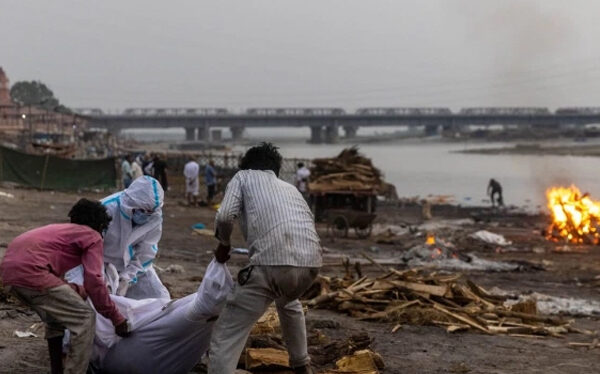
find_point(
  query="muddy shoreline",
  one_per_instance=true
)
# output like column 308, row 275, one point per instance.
column 588, row 150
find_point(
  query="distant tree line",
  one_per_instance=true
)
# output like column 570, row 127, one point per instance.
column 37, row 94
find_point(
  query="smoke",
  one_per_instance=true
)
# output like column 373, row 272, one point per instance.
column 522, row 40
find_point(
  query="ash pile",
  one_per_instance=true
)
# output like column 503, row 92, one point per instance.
column 440, row 254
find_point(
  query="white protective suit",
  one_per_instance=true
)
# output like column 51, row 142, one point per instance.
column 167, row 336
column 133, row 249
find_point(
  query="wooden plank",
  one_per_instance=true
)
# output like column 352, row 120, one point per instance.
column 464, row 319
column 266, row 358
column 441, row 291
column 371, row 260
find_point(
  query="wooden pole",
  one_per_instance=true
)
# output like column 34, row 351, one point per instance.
column 44, row 171
column 1, row 165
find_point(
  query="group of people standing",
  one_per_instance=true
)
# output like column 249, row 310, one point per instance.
column 191, row 172
column 114, row 243
column 152, row 165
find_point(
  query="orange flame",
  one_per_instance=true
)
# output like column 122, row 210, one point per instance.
column 436, row 253
column 574, row 216
column 430, row 240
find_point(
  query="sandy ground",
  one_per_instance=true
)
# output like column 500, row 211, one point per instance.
column 412, row 349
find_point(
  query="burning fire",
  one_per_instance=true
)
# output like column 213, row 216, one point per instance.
column 575, row 216
column 430, row 240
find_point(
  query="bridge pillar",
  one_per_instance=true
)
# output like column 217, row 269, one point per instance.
column 237, row 133
column 350, row 131
column 190, row 134
column 332, row 133
column 316, row 134
column 204, row 133
column 431, row 130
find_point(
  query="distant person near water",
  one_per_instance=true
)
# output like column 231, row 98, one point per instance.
column 495, row 189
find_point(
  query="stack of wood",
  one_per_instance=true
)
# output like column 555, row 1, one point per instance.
column 349, row 171
column 265, row 351
column 448, row 300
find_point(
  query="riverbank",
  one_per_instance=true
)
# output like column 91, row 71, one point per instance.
column 398, row 229
column 580, row 149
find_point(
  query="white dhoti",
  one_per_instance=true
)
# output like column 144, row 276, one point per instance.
column 192, row 186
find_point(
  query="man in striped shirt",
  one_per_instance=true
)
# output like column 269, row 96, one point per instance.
column 285, row 257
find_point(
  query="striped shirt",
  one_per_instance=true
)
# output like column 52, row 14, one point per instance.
column 276, row 222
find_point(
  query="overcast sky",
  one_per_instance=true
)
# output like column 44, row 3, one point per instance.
column 238, row 54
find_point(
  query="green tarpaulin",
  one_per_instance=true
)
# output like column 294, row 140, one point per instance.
column 49, row 172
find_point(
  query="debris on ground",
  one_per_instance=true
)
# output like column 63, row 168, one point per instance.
column 24, row 334
column 203, row 232
column 547, row 304
column 265, row 349
column 267, row 359
column 491, row 238
column 173, row 269
column 363, row 362
column 440, row 254
column 7, row 195
column 415, row 296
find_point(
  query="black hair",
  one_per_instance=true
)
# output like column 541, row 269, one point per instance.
column 301, row 164
column 90, row 213
column 264, row 156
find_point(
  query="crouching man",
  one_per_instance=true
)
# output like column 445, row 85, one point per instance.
column 285, row 257
column 33, row 270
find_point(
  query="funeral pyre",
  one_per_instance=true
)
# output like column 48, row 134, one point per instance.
column 575, row 216
column 418, row 297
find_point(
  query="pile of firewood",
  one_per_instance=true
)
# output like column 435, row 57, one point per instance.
column 448, row 300
column 349, row 171
column 265, row 350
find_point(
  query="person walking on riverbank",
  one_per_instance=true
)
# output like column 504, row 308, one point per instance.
column 190, row 172
column 494, row 191
column 285, row 257
column 210, row 178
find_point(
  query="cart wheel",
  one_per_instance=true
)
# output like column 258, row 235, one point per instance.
column 338, row 227
column 363, row 232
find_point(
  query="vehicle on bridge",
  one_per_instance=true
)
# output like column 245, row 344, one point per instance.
column 175, row 111
column 295, row 111
column 578, row 110
column 383, row 111
column 89, row 111
column 503, row 111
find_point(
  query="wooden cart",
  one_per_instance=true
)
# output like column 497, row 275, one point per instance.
column 345, row 210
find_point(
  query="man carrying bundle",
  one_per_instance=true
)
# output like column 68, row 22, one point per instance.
column 285, row 257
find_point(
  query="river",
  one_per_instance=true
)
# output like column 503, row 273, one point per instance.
column 435, row 168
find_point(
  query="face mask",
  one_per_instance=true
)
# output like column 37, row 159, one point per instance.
column 139, row 217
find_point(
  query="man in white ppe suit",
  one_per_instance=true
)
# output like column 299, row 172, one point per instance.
column 131, row 241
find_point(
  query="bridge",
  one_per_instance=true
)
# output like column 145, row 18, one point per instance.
column 325, row 123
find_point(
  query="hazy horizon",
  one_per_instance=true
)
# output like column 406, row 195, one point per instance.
column 313, row 53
